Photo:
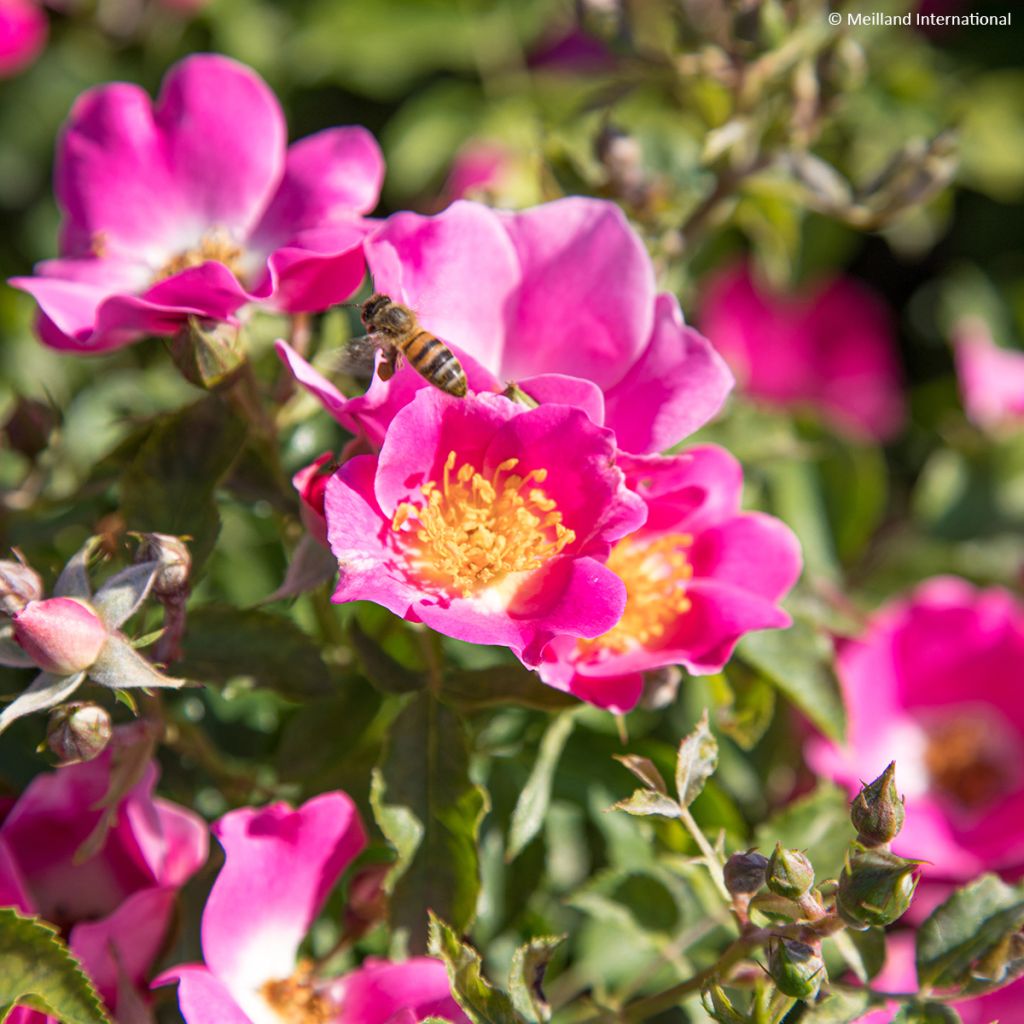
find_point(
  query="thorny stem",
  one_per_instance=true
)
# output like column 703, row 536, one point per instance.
column 713, row 861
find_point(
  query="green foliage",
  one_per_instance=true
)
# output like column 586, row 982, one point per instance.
column 927, row 1013
column 37, row 971
column 696, row 762
column 526, row 978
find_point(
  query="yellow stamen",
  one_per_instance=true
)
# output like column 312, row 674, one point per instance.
column 296, row 1001
column 474, row 530
column 655, row 573
column 216, row 244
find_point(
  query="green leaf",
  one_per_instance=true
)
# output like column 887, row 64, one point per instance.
column 960, row 932
column 526, row 977
column 927, row 1013
column 429, row 809
column 481, row 1002
column 168, row 486
column 477, row 689
column 381, row 669
column 38, row 971
column 223, row 643
column 649, row 801
column 838, row 1008
column 744, row 703
column 817, row 823
column 799, row 662
column 532, row 806
column 697, row 761
column 644, row 769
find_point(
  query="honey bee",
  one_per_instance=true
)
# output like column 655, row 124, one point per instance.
column 396, row 331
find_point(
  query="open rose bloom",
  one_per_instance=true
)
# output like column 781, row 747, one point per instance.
column 114, row 905
column 698, row 575
column 23, row 32
column 832, row 349
column 934, row 683
column 560, row 299
column 486, row 521
column 160, row 225
column 280, row 866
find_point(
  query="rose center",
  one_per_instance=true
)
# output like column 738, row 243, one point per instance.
column 296, row 1001
column 966, row 762
column 472, row 529
column 216, row 244
column 655, row 574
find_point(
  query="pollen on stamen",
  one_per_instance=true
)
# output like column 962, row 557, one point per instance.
column 655, row 574
column 472, row 531
column 216, row 245
column 296, row 1001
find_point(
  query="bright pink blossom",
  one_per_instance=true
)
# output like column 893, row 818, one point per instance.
column 485, row 520
column 280, row 866
column 560, row 299
column 991, row 378
column 115, row 906
column 23, row 30
column 193, row 207
column 698, row 575
column 831, row 348
column 934, row 683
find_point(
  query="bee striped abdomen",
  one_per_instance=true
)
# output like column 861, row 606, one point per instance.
column 431, row 358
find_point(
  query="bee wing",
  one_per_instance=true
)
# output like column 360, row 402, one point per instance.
column 357, row 357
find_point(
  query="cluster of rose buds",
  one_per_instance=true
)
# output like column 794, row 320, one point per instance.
column 76, row 634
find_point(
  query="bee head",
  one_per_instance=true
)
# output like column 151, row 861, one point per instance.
column 373, row 307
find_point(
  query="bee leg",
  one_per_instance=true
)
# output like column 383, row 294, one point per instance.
column 388, row 365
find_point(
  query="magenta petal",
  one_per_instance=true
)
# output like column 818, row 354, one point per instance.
column 202, row 998
column 378, row 990
column 228, row 183
column 13, row 890
column 172, row 840
column 280, row 865
column 457, row 270
column 327, row 176
column 130, row 938
column 559, row 389
column 23, row 31
column 677, row 385
column 317, row 270
column 585, row 302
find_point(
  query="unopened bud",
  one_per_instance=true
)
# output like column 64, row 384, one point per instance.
column 796, row 968
column 875, row 887
column 29, row 426
column 208, row 353
column 744, row 873
column 78, row 732
column 877, row 812
column 311, row 483
column 790, row 873
column 719, row 1006
column 19, row 584
column 60, row 635
column 171, row 580
column 367, row 900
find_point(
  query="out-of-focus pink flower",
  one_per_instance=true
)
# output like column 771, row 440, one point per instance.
column 698, row 575
column 280, row 866
column 991, row 378
column 899, row 975
column 193, row 207
column 61, row 635
column 476, row 171
column 23, row 30
column 115, row 906
column 935, row 683
column 560, row 299
column 485, row 520
column 831, row 349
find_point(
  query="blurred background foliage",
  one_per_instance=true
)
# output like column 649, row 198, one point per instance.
column 891, row 154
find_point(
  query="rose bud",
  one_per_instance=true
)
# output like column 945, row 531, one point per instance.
column 790, row 873
column 171, row 581
column 719, row 1006
column 875, row 887
column 796, row 968
column 78, row 732
column 209, row 354
column 19, row 584
column 877, row 812
column 61, row 635
column 744, row 873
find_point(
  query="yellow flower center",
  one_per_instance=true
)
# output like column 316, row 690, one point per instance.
column 296, row 1001
column 655, row 573
column 216, row 245
column 474, row 530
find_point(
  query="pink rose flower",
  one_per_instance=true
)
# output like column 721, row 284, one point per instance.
column 698, row 575
column 560, row 299
column 114, row 907
column 486, row 521
column 831, row 348
column 934, row 683
column 280, row 866
column 194, row 207
column 991, row 378
column 23, row 30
